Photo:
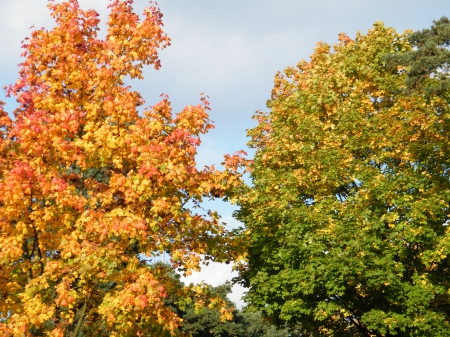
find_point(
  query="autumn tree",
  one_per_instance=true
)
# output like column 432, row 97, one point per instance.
column 91, row 189
column 347, row 215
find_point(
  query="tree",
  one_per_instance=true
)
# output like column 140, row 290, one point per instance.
column 347, row 215
column 91, row 189
column 207, row 322
column 427, row 64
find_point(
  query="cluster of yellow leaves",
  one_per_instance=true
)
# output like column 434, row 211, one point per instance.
column 89, row 187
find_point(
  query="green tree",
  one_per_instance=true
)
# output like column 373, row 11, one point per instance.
column 347, row 215
column 206, row 321
column 427, row 64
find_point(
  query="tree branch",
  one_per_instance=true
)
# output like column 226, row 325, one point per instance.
column 81, row 319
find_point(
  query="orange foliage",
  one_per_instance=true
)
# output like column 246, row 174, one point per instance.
column 89, row 188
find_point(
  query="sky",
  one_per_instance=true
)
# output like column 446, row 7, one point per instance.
column 230, row 50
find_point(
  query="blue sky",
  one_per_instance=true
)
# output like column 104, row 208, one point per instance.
column 230, row 50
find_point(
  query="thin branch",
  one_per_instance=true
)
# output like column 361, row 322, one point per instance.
column 26, row 256
column 81, row 318
column 36, row 239
column 92, row 178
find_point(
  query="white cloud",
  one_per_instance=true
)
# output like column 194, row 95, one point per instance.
column 216, row 274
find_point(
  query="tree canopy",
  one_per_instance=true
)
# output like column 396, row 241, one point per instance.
column 347, row 216
column 91, row 189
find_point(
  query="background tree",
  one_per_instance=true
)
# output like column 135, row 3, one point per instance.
column 90, row 189
column 347, row 216
column 207, row 322
column 427, row 64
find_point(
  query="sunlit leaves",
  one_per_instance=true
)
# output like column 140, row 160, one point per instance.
column 347, row 216
column 91, row 190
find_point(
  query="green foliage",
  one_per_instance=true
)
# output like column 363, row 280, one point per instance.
column 427, row 64
column 347, row 217
column 207, row 321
